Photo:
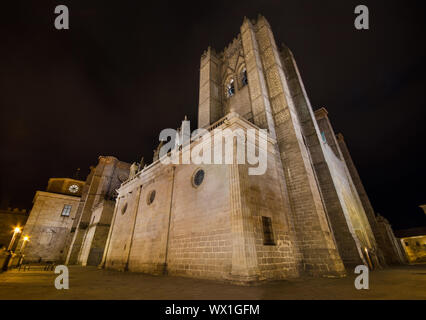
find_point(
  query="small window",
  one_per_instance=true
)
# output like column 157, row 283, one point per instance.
column 244, row 79
column 268, row 236
column 417, row 244
column 406, row 244
column 323, row 136
column 151, row 197
column 230, row 88
column 66, row 210
column 198, row 177
column 124, row 208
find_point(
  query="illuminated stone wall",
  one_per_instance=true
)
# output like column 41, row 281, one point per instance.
column 100, row 186
column 96, row 234
column 210, row 231
column 47, row 228
column 352, row 230
column 415, row 248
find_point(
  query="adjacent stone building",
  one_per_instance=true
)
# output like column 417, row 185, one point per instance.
column 86, row 240
column 391, row 246
column 50, row 220
column 307, row 214
column 413, row 242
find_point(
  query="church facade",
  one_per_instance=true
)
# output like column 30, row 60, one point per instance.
column 307, row 214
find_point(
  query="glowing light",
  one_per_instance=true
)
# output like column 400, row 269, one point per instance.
column 17, row 229
column 26, row 238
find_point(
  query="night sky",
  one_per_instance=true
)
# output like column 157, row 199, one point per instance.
column 126, row 70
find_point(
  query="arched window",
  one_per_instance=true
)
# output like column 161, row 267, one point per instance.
column 244, row 80
column 230, row 88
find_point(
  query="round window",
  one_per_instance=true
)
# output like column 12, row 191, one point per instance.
column 123, row 210
column 198, row 177
column 151, row 197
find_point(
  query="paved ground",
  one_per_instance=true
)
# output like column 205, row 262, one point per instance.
column 407, row 282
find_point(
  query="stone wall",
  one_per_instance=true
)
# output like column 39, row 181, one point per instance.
column 100, row 186
column 315, row 238
column 96, row 235
column 210, row 231
column 415, row 248
column 387, row 251
column 352, row 231
column 265, row 197
column 47, row 228
column 392, row 249
column 210, row 99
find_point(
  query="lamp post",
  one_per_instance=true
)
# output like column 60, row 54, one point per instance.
column 24, row 242
column 21, row 251
column 12, row 241
column 9, row 249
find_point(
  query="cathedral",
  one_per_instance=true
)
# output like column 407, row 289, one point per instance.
column 307, row 214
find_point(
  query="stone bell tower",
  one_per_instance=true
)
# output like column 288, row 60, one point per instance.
column 253, row 78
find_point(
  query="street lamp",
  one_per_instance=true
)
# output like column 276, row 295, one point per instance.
column 24, row 242
column 12, row 241
column 21, row 252
column 9, row 249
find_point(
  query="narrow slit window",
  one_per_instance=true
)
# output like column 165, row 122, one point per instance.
column 230, row 88
column 268, row 235
column 244, row 79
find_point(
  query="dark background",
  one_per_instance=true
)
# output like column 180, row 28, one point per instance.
column 126, row 70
